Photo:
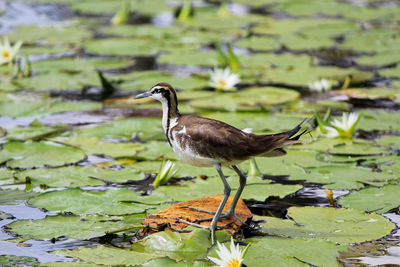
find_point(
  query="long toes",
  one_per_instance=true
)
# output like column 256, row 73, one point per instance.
column 192, row 224
column 197, row 209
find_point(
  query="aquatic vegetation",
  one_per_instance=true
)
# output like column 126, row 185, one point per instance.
column 8, row 52
column 166, row 172
column 232, row 257
column 223, row 79
column 320, row 86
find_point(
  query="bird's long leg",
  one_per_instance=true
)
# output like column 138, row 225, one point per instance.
column 242, row 184
column 227, row 192
column 231, row 210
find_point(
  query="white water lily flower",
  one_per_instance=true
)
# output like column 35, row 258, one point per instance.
column 344, row 128
column 320, row 86
column 229, row 258
column 8, row 52
column 223, row 79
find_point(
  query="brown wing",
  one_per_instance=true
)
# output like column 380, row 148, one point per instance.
column 216, row 139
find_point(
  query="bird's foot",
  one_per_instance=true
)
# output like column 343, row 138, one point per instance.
column 223, row 215
column 202, row 226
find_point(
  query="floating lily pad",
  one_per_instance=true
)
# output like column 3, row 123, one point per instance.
column 75, row 176
column 377, row 40
column 167, row 262
column 18, row 105
column 11, row 260
column 185, row 246
column 189, row 58
column 39, row 154
column 373, row 199
column 154, row 150
column 144, row 31
column 259, row 43
column 107, row 255
column 31, row 133
column 76, row 227
column 261, row 192
column 268, row 251
column 51, row 34
column 15, row 197
column 255, row 99
column 344, row 226
column 118, row 201
column 379, row 120
column 98, row 147
column 149, row 7
column 125, row 129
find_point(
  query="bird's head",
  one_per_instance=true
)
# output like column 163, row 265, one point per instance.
column 162, row 92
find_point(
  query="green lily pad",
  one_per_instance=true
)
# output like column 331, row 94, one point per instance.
column 254, row 99
column 144, row 31
column 261, row 192
column 154, row 150
column 110, row 256
column 373, row 199
column 185, row 246
column 15, row 197
column 384, row 58
column 31, row 132
column 268, row 251
column 18, row 105
column 73, row 35
column 117, row 201
column 377, row 40
column 180, row 83
column 136, row 46
column 167, row 262
column 74, row 65
column 259, row 43
column 189, row 58
column 379, row 120
column 76, row 176
column 11, row 260
column 125, row 129
column 95, row 146
column 149, row 7
column 76, row 227
column 38, row 154
column 343, row 226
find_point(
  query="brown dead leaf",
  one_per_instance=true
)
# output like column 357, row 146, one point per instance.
column 167, row 217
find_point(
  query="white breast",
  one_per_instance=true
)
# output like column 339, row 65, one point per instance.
column 181, row 145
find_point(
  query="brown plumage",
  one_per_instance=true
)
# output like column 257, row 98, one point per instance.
column 211, row 143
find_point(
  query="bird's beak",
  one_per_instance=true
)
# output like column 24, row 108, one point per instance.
column 143, row 95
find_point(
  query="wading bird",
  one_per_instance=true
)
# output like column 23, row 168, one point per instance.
column 206, row 142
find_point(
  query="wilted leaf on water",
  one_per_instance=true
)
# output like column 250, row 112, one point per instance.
column 344, row 226
column 178, row 246
column 168, row 216
column 71, row 226
column 116, row 201
column 38, row 154
column 267, row 251
column 15, row 197
column 253, row 99
column 373, row 199
column 75, row 176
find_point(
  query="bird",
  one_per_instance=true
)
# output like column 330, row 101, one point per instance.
column 206, row 142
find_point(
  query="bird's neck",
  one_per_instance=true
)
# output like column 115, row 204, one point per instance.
column 170, row 112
